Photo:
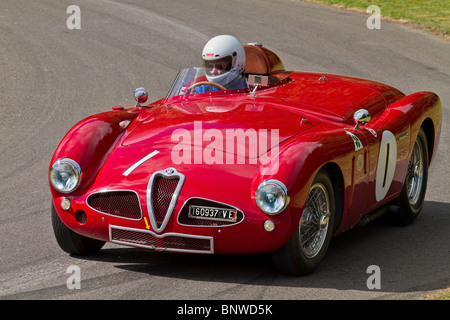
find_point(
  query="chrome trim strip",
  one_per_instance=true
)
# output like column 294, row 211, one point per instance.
column 137, row 164
column 112, row 215
column 206, row 226
column 211, row 240
column 403, row 136
column 167, row 173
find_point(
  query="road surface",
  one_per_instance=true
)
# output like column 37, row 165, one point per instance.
column 52, row 76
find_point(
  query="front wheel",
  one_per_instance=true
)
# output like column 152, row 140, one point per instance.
column 412, row 196
column 72, row 242
column 309, row 243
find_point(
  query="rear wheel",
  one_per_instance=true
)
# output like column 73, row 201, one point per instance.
column 412, row 196
column 72, row 242
column 308, row 246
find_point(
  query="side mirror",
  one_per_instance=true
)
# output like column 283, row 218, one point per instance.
column 362, row 116
column 140, row 95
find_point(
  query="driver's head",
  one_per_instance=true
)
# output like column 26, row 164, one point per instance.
column 224, row 59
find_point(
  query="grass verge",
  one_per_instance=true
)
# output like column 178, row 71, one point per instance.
column 439, row 295
column 429, row 15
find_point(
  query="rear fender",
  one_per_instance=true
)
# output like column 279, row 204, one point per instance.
column 403, row 119
column 423, row 109
column 417, row 108
column 420, row 109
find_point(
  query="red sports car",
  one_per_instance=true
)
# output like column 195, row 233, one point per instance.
column 280, row 166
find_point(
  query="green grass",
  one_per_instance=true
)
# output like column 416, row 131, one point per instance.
column 442, row 295
column 433, row 15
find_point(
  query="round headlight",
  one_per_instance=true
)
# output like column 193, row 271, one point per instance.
column 272, row 196
column 65, row 175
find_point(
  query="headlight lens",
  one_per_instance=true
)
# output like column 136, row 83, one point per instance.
column 272, row 197
column 65, row 175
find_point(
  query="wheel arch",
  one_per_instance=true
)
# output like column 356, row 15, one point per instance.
column 430, row 132
column 337, row 179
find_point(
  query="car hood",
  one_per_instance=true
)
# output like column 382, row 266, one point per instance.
column 221, row 124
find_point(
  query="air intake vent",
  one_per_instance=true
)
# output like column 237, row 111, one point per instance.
column 123, row 204
column 167, row 242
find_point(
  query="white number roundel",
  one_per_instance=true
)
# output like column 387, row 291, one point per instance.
column 387, row 159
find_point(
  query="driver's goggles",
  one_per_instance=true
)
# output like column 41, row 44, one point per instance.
column 221, row 64
column 217, row 65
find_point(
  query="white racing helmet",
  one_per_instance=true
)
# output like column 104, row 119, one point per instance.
column 228, row 48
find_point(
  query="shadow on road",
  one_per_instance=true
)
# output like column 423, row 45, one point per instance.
column 410, row 258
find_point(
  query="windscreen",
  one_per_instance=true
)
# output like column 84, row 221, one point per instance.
column 195, row 81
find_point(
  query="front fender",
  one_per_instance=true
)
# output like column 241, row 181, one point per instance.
column 90, row 141
column 299, row 159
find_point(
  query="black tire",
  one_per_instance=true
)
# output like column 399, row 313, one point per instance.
column 301, row 258
column 72, row 242
column 412, row 196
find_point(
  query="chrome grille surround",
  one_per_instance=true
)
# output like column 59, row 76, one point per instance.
column 175, row 242
column 163, row 190
column 119, row 203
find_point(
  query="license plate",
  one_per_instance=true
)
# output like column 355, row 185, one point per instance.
column 210, row 213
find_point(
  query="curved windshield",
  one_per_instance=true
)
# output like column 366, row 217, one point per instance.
column 194, row 81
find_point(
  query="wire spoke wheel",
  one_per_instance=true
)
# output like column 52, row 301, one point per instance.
column 412, row 196
column 414, row 178
column 315, row 221
column 309, row 243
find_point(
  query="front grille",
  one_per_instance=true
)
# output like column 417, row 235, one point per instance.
column 123, row 204
column 183, row 217
column 162, row 191
column 168, row 242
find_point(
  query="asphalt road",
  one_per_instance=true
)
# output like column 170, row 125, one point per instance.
column 52, row 77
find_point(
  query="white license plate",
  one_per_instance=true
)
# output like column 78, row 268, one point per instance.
column 210, row 213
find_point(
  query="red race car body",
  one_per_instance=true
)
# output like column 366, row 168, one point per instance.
column 280, row 166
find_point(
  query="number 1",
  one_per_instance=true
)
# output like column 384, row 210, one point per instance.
column 387, row 159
